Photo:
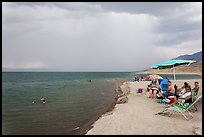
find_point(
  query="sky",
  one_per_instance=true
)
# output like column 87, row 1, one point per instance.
column 98, row 36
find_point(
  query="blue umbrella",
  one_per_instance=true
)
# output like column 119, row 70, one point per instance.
column 171, row 64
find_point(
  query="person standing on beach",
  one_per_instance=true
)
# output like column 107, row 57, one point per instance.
column 138, row 78
column 135, row 79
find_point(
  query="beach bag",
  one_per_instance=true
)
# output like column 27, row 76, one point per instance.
column 159, row 101
column 165, row 101
column 140, row 90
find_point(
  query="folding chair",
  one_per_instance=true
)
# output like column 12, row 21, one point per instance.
column 180, row 108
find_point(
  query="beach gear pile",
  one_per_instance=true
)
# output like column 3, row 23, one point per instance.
column 181, row 106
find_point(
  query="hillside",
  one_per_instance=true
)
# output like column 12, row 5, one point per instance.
column 196, row 56
column 192, row 68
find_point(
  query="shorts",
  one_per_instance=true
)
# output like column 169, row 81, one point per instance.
column 153, row 89
column 167, row 94
column 188, row 100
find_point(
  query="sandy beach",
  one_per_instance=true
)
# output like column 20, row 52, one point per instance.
column 137, row 116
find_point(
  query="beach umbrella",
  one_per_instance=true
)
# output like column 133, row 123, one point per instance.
column 154, row 76
column 172, row 64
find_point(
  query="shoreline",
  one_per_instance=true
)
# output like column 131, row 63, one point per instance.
column 89, row 124
column 113, row 117
column 170, row 72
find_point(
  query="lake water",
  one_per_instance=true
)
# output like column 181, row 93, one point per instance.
column 72, row 101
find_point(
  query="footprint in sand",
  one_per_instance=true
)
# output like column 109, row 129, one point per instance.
column 196, row 130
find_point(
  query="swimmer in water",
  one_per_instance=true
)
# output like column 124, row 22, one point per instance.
column 33, row 102
column 42, row 98
column 44, row 101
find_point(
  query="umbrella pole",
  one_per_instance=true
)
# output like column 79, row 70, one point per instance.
column 174, row 74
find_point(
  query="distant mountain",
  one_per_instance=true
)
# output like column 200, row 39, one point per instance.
column 196, row 56
column 25, row 69
column 192, row 68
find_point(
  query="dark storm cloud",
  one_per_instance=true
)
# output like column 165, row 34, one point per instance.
column 98, row 36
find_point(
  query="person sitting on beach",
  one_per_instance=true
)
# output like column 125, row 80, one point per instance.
column 154, row 89
column 182, row 89
column 196, row 88
column 185, row 97
column 149, row 86
column 170, row 91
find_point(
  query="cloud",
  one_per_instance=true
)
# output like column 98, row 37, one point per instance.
column 179, row 21
column 33, row 65
column 183, row 24
column 98, row 36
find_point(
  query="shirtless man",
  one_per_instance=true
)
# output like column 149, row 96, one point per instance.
column 170, row 91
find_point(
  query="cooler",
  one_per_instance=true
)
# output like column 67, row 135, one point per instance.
column 171, row 98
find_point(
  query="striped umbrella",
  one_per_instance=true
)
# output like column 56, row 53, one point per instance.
column 153, row 76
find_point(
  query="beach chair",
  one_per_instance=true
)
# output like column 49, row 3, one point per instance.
column 181, row 108
column 194, row 97
column 164, row 85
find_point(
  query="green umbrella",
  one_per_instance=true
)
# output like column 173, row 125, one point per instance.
column 171, row 64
